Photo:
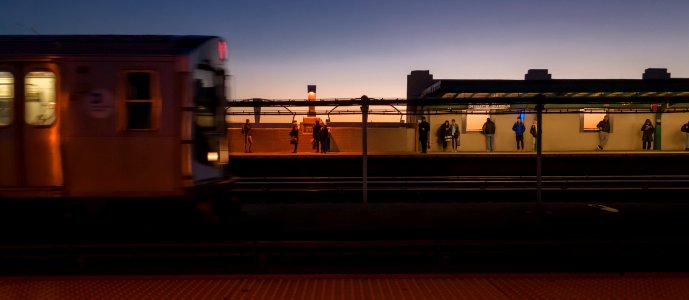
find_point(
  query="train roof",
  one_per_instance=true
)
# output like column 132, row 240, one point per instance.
column 134, row 45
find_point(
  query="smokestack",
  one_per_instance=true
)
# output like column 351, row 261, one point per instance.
column 537, row 74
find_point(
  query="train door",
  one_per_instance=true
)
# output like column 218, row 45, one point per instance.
column 30, row 123
column 209, row 132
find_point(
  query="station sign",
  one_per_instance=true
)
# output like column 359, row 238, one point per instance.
column 488, row 106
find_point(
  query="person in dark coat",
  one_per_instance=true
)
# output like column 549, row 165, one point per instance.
column 488, row 130
column 324, row 137
column 647, row 137
column 294, row 136
column 445, row 134
column 424, row 128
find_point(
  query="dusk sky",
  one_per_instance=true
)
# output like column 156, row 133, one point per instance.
column 355, row 47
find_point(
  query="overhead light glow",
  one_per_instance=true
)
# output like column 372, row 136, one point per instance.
column 213, row 156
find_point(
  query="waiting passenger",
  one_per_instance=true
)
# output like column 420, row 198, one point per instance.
column 647, row 136
column 603, row 132
column 424, row 128
column 248, row 141
column 519, row 130
column 534, row 133
column 323, row 137
column 445, row 134
column 488, row 130
column 685, row 129
column 454, row 131
column 294, row 136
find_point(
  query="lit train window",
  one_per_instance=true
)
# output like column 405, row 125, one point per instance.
column 39, row 98
column 139, row 101
column 590, row 119
column 6, row 98
column 475, row 121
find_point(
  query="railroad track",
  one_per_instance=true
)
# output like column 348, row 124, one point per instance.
column 247, row 184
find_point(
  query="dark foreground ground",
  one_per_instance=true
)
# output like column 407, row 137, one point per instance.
column 481, row 231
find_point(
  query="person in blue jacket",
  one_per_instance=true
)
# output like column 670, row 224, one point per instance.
column 519, row 130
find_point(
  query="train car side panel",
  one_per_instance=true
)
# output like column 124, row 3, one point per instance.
column 130, row 149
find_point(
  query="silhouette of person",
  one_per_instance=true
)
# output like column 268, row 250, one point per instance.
column 647, row 134
column 603, row 132
column 685, row 129
column 488, row 130
column 323, row 137
column 445, row 134
column 294, row 135
column 424, row 128
column 248, row 141
column 534, row 133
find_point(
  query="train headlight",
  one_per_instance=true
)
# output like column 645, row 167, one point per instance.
column 213, row 156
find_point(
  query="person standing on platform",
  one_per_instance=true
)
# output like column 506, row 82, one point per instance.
column 603, row 132
column 685, row 129
column 519, row 130
column 647, row 136
column 445, row 134
column 323, row 137
column 424, row 128
column 294, row 136
column 454, row 131
column 534, row 133
column 248, row 141
column 315, row 134
column 488, row 130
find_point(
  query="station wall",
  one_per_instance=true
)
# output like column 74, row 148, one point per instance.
column 344, row 139
column 561, row 132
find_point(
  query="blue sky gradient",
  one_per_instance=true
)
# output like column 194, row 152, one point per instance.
column 355, row 47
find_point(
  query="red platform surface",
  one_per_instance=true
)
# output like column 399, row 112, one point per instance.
column 539, row 286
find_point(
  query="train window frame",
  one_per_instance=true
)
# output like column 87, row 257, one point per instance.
column 9, row 91
column 45, row 112
column 589, row 118
column 127, row 101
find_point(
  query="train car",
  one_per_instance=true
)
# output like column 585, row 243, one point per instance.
column 111, row 116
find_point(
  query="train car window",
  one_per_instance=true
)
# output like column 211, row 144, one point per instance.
column 39, row 98
column 139, row 101
column 6, row 98
column 139, row 86
column 590, row 119
column 475, row 121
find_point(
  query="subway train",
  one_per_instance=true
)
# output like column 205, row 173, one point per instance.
column 85, row 116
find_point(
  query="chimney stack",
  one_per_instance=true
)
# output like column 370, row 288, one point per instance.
column 656, row 73
column 537, row 74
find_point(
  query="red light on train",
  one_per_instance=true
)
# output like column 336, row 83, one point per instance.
column 222, row 50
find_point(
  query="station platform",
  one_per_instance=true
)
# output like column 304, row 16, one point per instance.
column 428, row 286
